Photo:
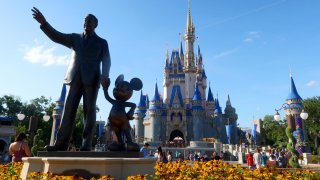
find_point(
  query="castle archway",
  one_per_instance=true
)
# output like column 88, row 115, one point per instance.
column 176, row 139
column 176, row 134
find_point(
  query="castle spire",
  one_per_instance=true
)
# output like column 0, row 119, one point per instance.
column 167, row 59
column 189, row 21
column 218, row 108
column 142, row 102
column 197, row 94
column 189, row 38
column 228, row 101
column 210, row 95
column 181, row 49
column 199, row 61
column 293, row 94
column 63, row 93
column 156, row 96
column 189, row 67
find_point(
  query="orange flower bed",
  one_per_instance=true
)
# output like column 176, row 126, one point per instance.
column 181, row 170
column 221, row 170
column 11, row 171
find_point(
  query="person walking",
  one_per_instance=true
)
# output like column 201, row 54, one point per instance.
column 250, row 160
column 169, row 156
column 257, row 158
column 19, row 149
column 161, row 156
column 281, row 160
column 264, row 159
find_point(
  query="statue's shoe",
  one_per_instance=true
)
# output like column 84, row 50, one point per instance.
column 55, row 148
column 131, row 146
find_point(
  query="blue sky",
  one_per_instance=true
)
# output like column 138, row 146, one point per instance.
column 247, row 46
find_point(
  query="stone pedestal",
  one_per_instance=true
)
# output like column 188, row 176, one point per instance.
column 118, row 168
column 92, row 154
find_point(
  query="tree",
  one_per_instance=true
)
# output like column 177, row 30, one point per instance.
column 76, row 138
column 275, row 131
column 38, row 143
column 10, row 105
column 312, row 107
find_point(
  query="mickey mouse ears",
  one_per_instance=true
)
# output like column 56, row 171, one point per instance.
column 136, row 84
column 119, row 79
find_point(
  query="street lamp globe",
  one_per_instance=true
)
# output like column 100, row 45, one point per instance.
column 21, row 116
column 46, row 118
column 304, row 115
column 277, row 116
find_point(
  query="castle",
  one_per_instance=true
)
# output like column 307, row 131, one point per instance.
column 184, row 112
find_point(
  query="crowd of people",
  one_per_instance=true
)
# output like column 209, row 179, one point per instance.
column 169, row 156
column 255, row 159
column 272, row 157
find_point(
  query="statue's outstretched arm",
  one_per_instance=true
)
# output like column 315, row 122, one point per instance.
column 54, row 35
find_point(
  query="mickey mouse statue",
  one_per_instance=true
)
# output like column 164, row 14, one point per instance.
column 118, row 117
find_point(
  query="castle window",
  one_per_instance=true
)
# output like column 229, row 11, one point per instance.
column 180, row 115
column 172, row 114
column 176, row 105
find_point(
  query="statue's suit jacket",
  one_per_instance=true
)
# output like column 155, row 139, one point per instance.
column 88, row 54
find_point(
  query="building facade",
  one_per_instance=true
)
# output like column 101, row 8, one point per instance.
column 186, row 111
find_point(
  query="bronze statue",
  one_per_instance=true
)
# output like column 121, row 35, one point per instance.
column 118, row 117
column 83, row 77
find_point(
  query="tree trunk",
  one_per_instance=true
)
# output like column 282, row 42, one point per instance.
column 316, row 141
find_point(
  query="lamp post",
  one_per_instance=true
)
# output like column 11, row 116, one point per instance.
column 304, row 115
column 45, row 117
column 33, row 123
column 292, row 111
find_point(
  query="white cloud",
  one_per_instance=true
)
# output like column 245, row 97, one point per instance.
column 45, row 56
column 251, row 36
column 225, row 53
column 312, row 83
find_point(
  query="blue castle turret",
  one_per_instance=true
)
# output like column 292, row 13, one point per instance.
column 293, row 105
column 220, row 125
column 155, row 116
column 197, row 115
column 139, row 114
column 231, row 120
column 293, row 109
column 57, row 113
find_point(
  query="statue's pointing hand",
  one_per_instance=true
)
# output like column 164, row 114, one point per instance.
column 37, row 15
